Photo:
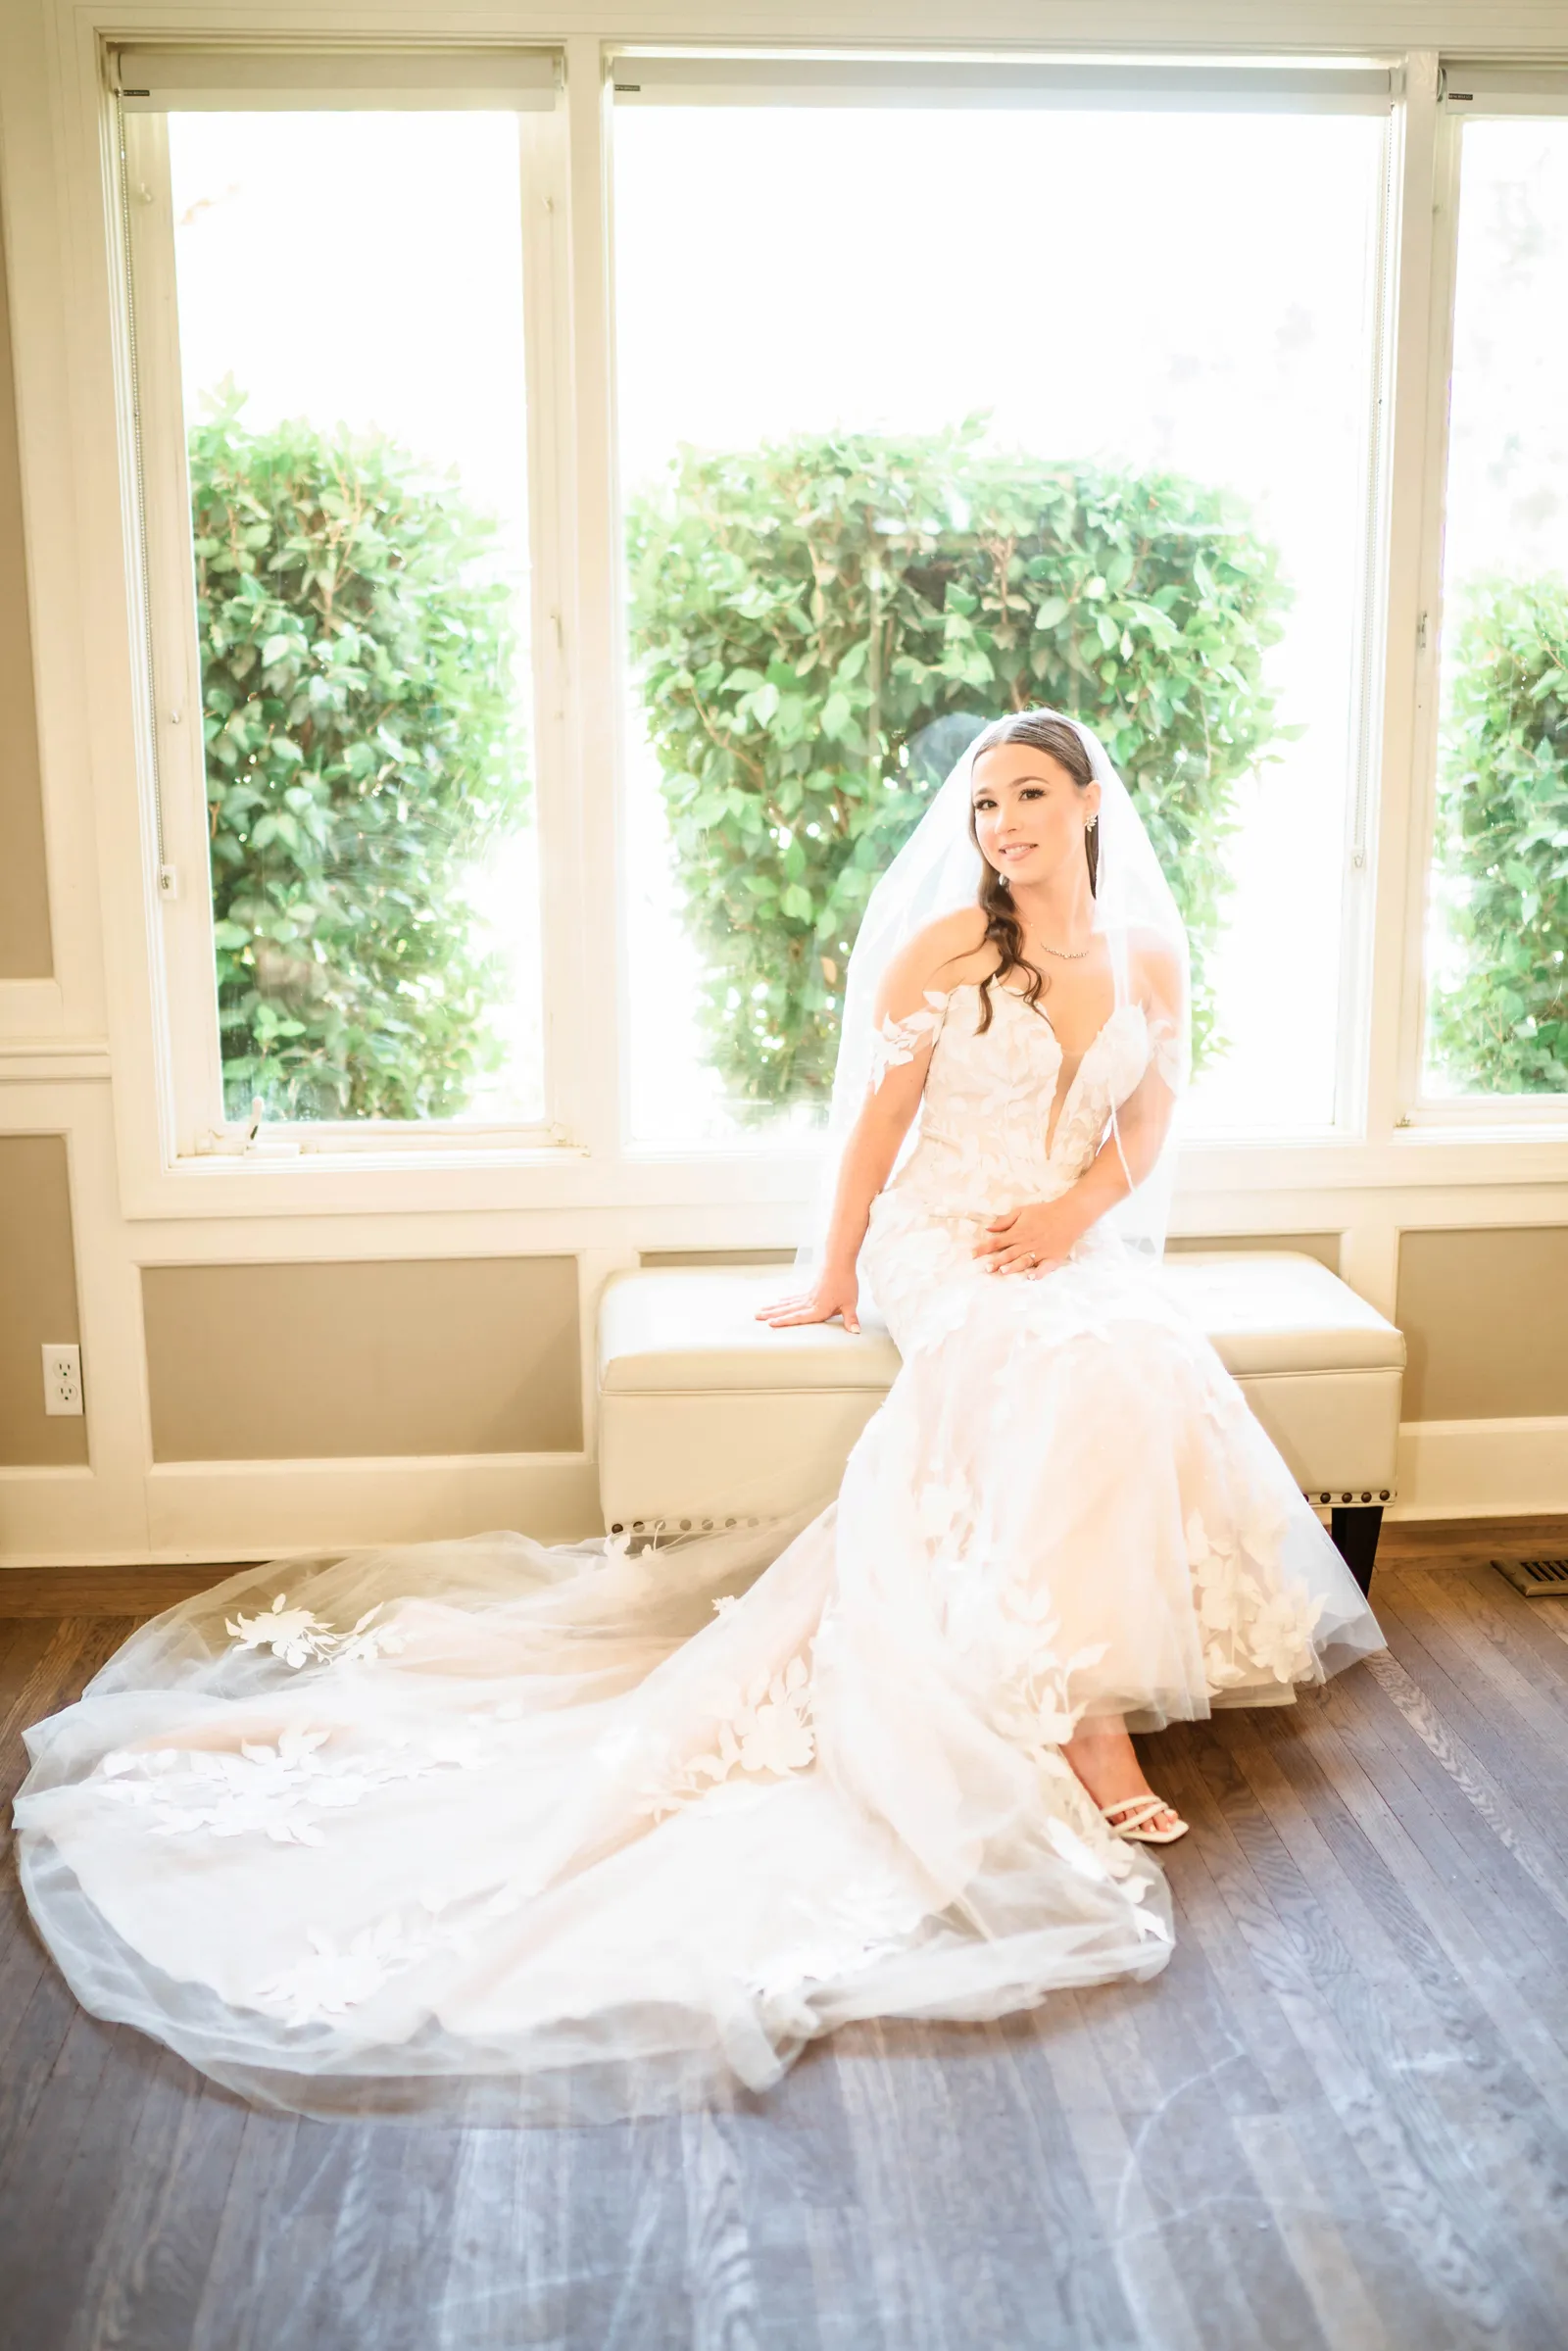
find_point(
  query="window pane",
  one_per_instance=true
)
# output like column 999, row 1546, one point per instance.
column 1497, row 998
column 1125, row 356
column 351, row 353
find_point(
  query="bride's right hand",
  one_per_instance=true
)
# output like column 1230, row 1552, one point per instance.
column 830, row 1294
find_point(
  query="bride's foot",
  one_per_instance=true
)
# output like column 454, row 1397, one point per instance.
column 1144, row 1821
column 1105, row 1761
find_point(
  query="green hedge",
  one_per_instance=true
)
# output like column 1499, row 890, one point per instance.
column 804, row 612
column 1502, row 842
column 362, row 749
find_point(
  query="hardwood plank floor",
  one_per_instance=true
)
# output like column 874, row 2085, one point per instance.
column 1339, row 2121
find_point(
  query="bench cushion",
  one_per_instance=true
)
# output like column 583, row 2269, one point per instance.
column 695, row 1328
column 1275, row 1311
column 703, row 1409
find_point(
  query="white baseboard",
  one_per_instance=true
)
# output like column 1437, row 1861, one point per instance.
column 195, row 1513
column 210, row 1512
column 1482, row 1468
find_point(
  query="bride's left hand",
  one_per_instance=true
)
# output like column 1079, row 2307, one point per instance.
column 1033, row 1240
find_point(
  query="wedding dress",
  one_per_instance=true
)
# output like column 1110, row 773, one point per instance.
column 490, row 1828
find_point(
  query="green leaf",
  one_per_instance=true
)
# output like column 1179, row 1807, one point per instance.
column 859, row 575
column 363, row 747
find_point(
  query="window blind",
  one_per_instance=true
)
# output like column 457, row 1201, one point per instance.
column 180, row 79
column 665, row 80
column 1478, row 89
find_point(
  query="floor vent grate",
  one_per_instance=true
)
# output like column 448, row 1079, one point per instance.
column 1536, row 1579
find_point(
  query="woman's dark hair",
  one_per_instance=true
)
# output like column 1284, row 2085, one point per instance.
column 1063, row 743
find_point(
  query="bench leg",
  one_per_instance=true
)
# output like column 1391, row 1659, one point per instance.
column 1356, row 1536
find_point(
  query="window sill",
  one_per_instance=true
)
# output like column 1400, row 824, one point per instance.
column 308, row 1149
column 567, row 1190
column 1532, row 1118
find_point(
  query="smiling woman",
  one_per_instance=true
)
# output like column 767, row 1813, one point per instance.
column 672, row 1816
column 1034, row 801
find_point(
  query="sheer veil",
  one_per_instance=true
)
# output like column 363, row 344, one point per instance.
column 937, row 871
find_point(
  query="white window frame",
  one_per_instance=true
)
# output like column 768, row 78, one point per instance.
column 642, row 76
column 207, row 79
column 1467, row 91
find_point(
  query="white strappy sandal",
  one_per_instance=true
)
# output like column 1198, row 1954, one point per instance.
column 1136, row 1814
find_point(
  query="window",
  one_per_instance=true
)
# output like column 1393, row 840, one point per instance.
column 943, row 391
column 334, row 369
column 1497, row 1016
column 935, row 388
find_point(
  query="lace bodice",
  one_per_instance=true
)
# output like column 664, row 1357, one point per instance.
column 986, row 1134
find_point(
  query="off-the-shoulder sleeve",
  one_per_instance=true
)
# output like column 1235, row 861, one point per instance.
column 1165, row 1051
column 897, row 1042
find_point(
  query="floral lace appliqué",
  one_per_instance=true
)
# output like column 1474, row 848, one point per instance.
column 277, row 1792
column 763, row 1731
column 1037, row 1688
column 897, row 1042
column 1251, row 1622
column 298, row 1637
column 1109, row 1863
column 838, row 1937
column 1166, row 1051
column 333, row 1979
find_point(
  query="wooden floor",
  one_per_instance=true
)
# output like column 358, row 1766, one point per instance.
column 1340, row 2119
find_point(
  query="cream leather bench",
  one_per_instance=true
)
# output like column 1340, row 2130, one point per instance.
column 707, row 1417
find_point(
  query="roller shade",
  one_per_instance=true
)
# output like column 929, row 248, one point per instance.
column 179, row 80
column 1204, row 87
column 1506, row 89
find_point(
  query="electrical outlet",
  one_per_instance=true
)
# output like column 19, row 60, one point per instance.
column 61, row 1377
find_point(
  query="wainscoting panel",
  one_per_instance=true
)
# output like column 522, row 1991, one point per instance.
column 432, row 1355
column 37, row 1299
column 1483, row 1468
column 1485, row 1314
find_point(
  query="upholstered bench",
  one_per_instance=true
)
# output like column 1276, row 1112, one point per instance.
column 707, row 1416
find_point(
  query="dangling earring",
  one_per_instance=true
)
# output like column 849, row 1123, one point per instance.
column 1002, row 882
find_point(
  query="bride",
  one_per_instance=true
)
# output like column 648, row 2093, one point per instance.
column 494, row 1829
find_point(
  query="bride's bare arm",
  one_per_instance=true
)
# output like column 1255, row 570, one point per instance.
column 865, row 1168
column 907, row 1030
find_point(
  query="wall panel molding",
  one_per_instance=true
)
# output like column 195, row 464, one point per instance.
column 1482, row 1468
column 1484, row 1313
column 217, row 1513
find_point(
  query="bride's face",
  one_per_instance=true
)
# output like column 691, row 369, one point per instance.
column 1029, row 815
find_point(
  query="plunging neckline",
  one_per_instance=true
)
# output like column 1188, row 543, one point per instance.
column 1065, row 1087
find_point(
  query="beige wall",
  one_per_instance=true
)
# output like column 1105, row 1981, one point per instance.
column 25, row 950
column 420, row 1356
column 1485, row 1314
column 37, row 1300
column 1323, row 1247
column 717, row 1256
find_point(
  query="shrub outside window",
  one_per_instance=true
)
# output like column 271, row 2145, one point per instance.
column 334, row 368
column 1497, row 941
column 985, row 409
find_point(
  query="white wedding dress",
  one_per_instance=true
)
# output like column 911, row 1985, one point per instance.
column 478, row 1826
